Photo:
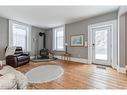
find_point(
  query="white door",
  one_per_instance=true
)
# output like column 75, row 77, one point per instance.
column 101, row 45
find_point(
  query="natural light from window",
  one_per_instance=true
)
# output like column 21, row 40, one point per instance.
column 19, row 35
column 58, row 38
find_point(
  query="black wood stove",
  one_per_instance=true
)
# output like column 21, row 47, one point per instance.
column 44, row 53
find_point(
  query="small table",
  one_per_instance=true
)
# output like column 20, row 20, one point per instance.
column 66, row 56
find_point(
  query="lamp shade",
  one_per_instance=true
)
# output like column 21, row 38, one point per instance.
column 66, row 44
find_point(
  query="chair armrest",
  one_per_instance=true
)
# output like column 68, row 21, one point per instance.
column 12, row 60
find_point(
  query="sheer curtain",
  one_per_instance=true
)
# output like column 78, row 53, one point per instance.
column 19, row 35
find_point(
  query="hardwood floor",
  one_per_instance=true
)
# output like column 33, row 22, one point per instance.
column 80, row 76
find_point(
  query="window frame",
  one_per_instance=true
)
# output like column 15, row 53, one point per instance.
column 28, row 33
column 55, row 38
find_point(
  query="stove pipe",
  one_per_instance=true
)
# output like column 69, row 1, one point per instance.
column 44, row 39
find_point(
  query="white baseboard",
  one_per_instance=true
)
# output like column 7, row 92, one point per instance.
column 59, row 57
column 31, row 57
column 121, row 70
column 81, row 60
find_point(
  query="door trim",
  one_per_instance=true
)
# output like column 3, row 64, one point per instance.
column 114, row 37
column 109, row 42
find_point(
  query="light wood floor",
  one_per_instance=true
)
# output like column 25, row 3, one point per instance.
column 80, row 76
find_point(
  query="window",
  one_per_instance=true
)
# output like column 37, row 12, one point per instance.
column 58, row 39
column 19, row 35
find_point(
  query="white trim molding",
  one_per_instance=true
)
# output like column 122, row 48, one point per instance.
column 121, row 70
column 80, row 60
column 32, row 57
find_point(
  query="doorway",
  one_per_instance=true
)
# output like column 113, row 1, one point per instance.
column 101, row 45
column 102, row 38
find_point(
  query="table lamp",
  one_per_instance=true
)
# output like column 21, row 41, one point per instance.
column 66, row 44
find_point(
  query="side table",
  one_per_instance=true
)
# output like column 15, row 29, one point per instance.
column 66, row 56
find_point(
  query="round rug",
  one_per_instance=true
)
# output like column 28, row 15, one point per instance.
column 44, row 73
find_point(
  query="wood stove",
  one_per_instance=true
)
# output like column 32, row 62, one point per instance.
column 44, row 53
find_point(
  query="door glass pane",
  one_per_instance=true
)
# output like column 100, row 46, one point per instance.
column 101, row 44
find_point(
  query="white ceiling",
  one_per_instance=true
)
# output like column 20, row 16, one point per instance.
column 52, row 16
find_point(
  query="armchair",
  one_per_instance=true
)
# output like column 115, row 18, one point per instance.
column 18, row 59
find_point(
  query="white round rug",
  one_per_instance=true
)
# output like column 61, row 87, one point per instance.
column 45, row 73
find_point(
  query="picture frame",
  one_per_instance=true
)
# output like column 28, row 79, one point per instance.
column 77, row 40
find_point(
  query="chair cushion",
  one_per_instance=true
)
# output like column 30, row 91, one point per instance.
column 22, row 58
column 18, row 50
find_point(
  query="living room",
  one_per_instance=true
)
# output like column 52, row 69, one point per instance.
column 76, row 47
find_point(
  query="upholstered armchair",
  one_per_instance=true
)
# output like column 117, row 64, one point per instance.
column 18, row 59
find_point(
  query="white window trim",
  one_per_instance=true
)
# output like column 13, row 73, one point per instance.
column 53, row 41
column 28, row 48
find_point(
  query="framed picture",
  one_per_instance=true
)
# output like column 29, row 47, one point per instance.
column 77, row 40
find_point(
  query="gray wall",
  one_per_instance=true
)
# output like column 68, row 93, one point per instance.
column 122, row 39
column 121, row 46
column 126, row 39
column 3, row 36
column 49, row 38
column 81, row 27
column 37, row 44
